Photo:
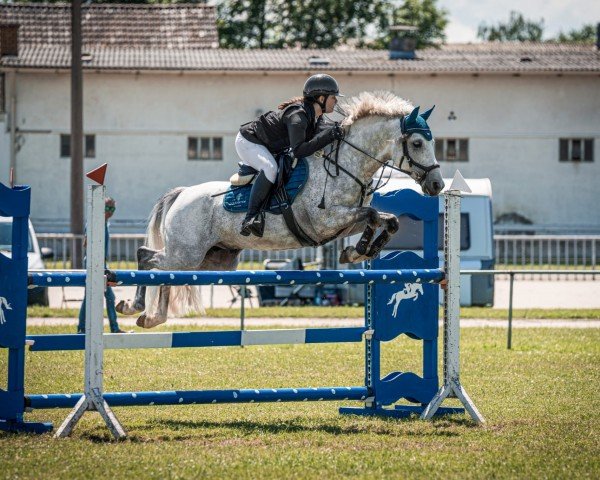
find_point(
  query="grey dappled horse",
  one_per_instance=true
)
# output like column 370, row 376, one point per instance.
column 190, row 230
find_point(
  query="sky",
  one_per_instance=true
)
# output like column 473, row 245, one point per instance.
column 466, row 15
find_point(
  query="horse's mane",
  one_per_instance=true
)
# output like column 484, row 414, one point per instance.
column 381, row 103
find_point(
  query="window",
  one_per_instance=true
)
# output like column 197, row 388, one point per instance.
column 410, row 234
column 65, row 145
column 6, row 235
column 576, row 150
column 452, row 149
column 205, row 148
column 89, row 146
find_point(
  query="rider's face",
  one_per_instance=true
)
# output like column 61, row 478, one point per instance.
column 331, row 101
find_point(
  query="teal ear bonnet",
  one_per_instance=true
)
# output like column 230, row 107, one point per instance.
column 415, row 123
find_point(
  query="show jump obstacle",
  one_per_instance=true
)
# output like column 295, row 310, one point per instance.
column 401, row 298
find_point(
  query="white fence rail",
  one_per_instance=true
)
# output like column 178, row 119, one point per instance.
column 528, row 250
column 123, row 248
column 569, row 250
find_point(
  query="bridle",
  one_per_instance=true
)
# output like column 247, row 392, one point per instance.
column 368, row 189
column 406, row 134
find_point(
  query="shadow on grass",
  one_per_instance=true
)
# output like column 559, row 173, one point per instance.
column 442, row 427
column 293, row 426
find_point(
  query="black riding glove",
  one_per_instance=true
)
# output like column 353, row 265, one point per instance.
column 338, row 132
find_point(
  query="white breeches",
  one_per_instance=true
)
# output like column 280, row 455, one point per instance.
column 257, row 156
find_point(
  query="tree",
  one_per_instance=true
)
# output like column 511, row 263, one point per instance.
column 325, row 23
column 246, row 23
column 281, row 23
column 516, row 29
column 425, row 15
column 586, row 34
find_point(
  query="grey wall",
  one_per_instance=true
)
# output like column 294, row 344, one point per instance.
column 142, row 122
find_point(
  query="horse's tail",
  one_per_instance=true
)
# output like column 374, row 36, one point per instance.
column 154, row 237
column 183, row 299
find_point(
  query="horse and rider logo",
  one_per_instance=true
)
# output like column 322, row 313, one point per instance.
column 4, row 305
column 410, row 291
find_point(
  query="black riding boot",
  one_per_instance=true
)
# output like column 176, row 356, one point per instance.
column 254, row 222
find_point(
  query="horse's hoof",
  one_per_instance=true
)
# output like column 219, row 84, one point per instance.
column 119, row 307
column 144, row 321
column 124, row 308
column 345, row 256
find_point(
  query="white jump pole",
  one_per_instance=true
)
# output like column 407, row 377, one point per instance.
column 95, row 285
column 451, row 387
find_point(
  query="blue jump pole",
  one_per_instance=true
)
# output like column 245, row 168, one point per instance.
column 243, row 277
column 188, row 397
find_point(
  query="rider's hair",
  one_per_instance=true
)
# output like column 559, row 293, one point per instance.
column 287, row 103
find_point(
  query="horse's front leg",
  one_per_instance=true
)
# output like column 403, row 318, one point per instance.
column 391, row 225
column 341, row 217
column 364, row 249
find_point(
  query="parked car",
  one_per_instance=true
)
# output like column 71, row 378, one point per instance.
column 35, row 257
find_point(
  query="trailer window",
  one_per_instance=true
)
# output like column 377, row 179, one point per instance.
column 410, row 234
column 6, row 237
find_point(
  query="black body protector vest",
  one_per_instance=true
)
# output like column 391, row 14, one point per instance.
column 293, row 127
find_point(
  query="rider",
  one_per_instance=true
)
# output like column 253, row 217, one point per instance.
column 296, row 125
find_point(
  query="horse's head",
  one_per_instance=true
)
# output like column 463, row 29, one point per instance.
column 392, row 130
column 416, row 151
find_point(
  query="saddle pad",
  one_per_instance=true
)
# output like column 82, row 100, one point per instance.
column 236, row 200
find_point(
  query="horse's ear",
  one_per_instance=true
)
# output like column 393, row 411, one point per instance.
column 413, row 115
column 426, row 114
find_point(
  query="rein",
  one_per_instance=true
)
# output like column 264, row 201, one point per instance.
column 367, row 189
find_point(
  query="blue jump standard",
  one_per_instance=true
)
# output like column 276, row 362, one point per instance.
column 242, row 277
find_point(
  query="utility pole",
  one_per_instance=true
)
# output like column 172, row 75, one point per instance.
column 76, row 134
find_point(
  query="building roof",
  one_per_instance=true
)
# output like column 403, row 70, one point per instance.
column 183, row 38
column 187, row 26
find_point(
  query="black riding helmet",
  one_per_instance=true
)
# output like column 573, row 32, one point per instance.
column 321, row 84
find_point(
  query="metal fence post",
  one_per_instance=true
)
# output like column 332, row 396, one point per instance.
column 510, row 309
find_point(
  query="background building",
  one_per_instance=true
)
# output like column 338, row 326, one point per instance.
column 162, row 105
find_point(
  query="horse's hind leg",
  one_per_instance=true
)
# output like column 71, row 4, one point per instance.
column 163, row 307
column 145, row 257
column 182, row 298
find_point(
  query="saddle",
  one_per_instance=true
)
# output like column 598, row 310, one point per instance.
column 289, row 183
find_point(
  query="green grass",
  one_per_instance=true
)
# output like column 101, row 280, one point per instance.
column 538, row 399
column 350, row 312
